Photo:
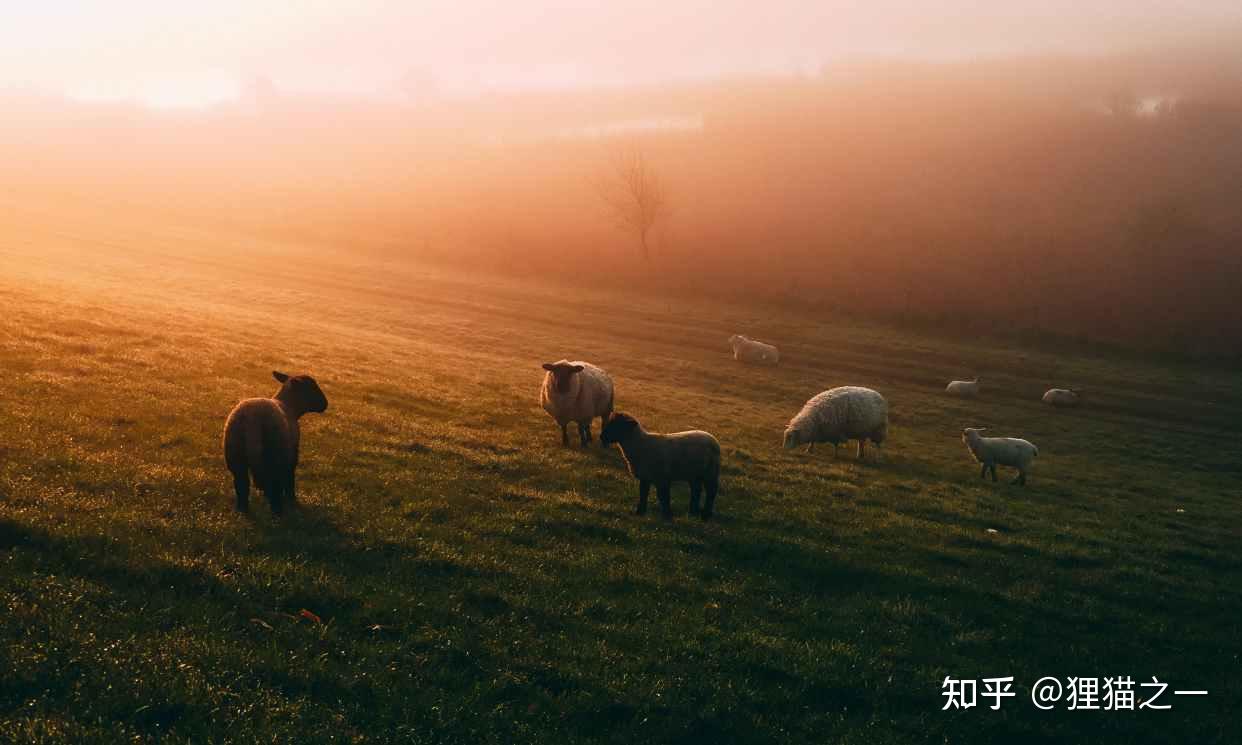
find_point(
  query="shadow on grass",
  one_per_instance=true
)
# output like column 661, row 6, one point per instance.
column 97, row 559
column 311, row 534
column 132, row 592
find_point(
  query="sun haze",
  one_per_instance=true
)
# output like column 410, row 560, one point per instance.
column 619, row 372
column 198, row 53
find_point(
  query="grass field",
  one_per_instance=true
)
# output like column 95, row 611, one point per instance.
column 455, row 575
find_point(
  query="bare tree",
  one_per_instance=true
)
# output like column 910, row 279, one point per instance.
column 631, row 190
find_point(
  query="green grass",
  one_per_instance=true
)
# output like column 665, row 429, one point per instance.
column 469, row 580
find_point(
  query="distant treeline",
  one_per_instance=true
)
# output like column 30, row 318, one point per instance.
column 1090, row 199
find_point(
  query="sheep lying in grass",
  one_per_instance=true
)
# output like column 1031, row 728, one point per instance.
column 576, row 392
column 1005, row 451
column 659, row 459
column 755, row 352
column 963, row 388
column 261, row 439
column 840, row 415
column 1062, row 397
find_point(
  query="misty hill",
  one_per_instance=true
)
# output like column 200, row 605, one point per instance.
column 1086, row 198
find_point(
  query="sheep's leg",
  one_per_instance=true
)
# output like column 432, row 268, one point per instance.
column 664, row 491
column 584, row 433
column 644, row 487
column 276, row 495
column 810, row 448
column 862, row 448
column 292, row 490
column 696, row 489
column 264, row 481
column 983, row 470
column 565, row 434
column 1020, row 478
column 241, row 485
column 993, row 469
column 712, row 487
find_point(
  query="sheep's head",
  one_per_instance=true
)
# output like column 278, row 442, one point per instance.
column 619, row 428
column 793, row 438
column 301, row 391
column 972, row 433
column 562, row 374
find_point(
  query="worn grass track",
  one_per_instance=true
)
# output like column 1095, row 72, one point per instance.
column 469, row 580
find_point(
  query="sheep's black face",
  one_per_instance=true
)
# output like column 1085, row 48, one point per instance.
column 309, row 392
column 562, row 375
column 619, row 427
column 302, row 390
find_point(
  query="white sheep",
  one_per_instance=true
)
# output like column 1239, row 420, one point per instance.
column 756, row 352
column 963, row 388
column 1006, row 451
column 576, row 392
column 839, row 415
column 1062, row 397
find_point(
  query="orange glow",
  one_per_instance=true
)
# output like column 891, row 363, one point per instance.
column 795, row 170
column 195, row 53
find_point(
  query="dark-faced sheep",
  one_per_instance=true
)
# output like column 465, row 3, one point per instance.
column 653, row 458
column 576, row 392
column 261, row 439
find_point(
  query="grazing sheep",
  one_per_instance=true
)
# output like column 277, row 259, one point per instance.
column 1005, row 451
column 658, row 459
column 840, row 415
column 576, row 392
column 963, row 388
column 261, row 438
column 756, row 352
column 1062, row 397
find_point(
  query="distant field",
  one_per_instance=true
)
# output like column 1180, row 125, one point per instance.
column 466, row 579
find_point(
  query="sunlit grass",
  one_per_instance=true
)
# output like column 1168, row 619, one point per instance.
column 467, row 579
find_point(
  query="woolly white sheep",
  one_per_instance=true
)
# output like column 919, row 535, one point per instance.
column 661, row 459
column 1005, row 451
column 576, row 392
column 840, row 415
column 963, row 388
column 1063, row 397
column 261, row 438
column 756, row 352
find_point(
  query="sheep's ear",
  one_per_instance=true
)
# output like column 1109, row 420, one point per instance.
column 549, row 366
column 576, row 368
column 280, row 377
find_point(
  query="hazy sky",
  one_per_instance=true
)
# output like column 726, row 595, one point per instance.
column 187, row 51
